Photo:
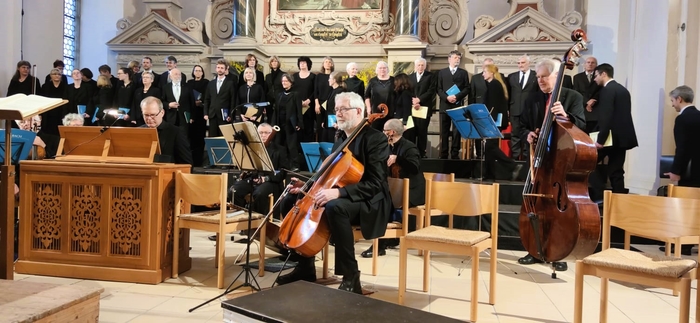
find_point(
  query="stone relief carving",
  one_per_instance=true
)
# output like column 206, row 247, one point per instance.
column 448, row 22
column 156, row 35
column 123, row 24
column 192, row 26
column 295, row 29
column 572, row 20
column 508, row 59
column 526, row 32
column 219, row 21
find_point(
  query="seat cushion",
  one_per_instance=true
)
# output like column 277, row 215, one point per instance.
column 641, row 262
column 453, row 236
column 232, row 216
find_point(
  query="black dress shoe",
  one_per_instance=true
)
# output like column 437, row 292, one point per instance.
column 369, row 252
column 529, row 260
column 516, row 172
column 351, row 283
column 560, row 266
column 212, row 238
column 684, row 251
column 300, row 272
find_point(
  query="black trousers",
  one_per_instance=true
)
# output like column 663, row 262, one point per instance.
column 517, row 146
column 214, row 124
column 288, row 137
column 591, row 125
column 447, row 130
column 261, row 202
column 341, row 214
column 615, row 169
column 421, row 134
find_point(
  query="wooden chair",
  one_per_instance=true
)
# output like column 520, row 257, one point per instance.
column 199, row 189
column 399, row 196
column 463, row 199
column 419, row 210
column 654, row 216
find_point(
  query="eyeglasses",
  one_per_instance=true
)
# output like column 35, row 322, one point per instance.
column 343, row 110
column 265, row 132
column 145, row 116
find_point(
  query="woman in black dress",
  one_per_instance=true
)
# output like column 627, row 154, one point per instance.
column 23, row 81
column 322, row 90
column 403, row 101
column 104, row 99
column 289, row 118
column 124, row 94
column 304, row 82
column 54, row 88
column 380, row 90
column 354, row 84
column 252, row 61
column 496, row 100
column 141, row 93
column 79, row 96
column 250, row 92
column 337, row 83
column 273, row 85
column 198, row 129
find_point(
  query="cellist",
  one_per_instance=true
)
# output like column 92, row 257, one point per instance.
column 367, row 203
column 570, row 105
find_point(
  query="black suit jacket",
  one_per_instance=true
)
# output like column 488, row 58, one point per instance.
column 517, row 94
column 589, row 90
column 615, row 115
column 425, row 89
column 224, row 99
column 445, row 80
column 174, row 146
column 408, row 157
column 477, row 89
column 371, row 149
column 278, row 156
column 684, row 133
column 186, row 101
column 163, row 79
column 532, row 115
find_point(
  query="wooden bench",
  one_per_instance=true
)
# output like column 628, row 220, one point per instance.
column 38, row 302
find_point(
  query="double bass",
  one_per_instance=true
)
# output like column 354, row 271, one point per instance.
column 557, row 219
column 305, row 228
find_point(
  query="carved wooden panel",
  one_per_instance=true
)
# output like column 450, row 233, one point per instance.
column 126, row 227
column 46, row 223
column 85, row 218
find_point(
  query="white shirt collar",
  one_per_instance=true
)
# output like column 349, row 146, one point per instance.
column 606, row 83
column 683, row 108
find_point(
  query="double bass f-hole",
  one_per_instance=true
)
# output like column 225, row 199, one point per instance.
column 559, row 191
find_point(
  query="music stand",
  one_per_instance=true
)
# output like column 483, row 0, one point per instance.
column 248, row 153
column 22, row 142
column 474, row 122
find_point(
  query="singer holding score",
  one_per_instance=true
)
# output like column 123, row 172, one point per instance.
column 250, row 92
column 174, row 146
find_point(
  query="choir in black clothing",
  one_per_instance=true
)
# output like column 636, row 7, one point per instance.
column 273, row 84
column 352, row 83
column 321, row 92
column 380, row 90
column 198, row 129
column 288, row 117
column 54, row 88
column 146, row 89
column 252, row 61
column 23, row 82
column 250, row 92
column 337, row 83
column 304, row 82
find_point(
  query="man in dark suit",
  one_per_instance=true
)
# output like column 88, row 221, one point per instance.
column 220, row 99
column 179, row 101
column 477, row 86
column 570, row 106
column 165, row 78
column 262, row 186
column 367, row 203
column 585, row 84
column 447, row 78
column 404, row 154
column 521, row 84
column 423, row 83
column 174, row 145
column 614, row 119
column 685, row 132
column 147, row 64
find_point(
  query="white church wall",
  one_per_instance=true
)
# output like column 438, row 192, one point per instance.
column 11, row 49
column 97, row 26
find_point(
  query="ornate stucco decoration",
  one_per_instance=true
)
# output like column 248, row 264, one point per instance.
column 219, row 26
column 448, row 22
column 363, row 26
column 170, row 11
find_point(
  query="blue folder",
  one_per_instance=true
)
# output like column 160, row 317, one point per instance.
column 454, row 90
column 332, row 120
column 474, row 122
column 22, row 142
column 82, row 109
column 315, row 153
column 94, row 115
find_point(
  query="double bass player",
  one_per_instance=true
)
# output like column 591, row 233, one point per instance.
column 570, row 106
column 367, row 203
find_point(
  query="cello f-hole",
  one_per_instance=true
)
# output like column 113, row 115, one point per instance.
column 561, row 206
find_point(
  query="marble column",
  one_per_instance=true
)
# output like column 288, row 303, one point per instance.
column 407, row 18
column 244, row 12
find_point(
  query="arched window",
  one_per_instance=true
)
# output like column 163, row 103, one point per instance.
column 71, row 21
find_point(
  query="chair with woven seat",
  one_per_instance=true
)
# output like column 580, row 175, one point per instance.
column 198, row 189
column 455, row 198
column 654, row 216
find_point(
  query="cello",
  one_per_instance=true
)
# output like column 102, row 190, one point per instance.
column 305, row 227
column 557, row 219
